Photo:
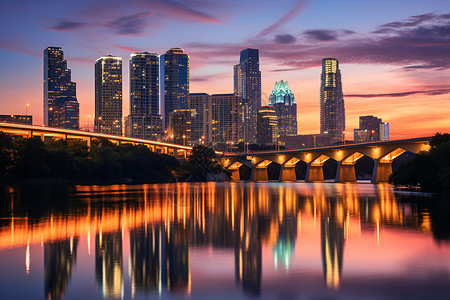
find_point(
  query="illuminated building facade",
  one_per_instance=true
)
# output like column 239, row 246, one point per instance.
column 282, row 99
column 247, row 84
column 108, row 95
column 16, row 119
column 201, row 127
column 67, row 112
column 371, row 129
column 361, row 135
column 174, row 85
column 267, row 125
column 384, row 131
column 144, row 97
column 225, row 119
column 144, row 127
column 180, row 126
column 332, row 109
column 57, row 82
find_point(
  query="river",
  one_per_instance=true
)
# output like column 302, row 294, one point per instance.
column 224, row 241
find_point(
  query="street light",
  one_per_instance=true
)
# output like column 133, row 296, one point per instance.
column 26, row 109
column 184, row 137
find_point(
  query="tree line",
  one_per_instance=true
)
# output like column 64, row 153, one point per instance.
column 103, row 162
column 428, row 170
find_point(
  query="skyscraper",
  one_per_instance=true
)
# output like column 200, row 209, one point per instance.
column 180, row 124
column 57, row 81
column 267, row 125
column 144, row 97
column 247, row 84
column 332, row 110
column 282, row 99
column 108, row 95
column 225, row 116
column 67, row 112
column 201, row 127
column 174, row 90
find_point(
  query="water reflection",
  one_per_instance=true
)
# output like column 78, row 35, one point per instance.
column 108, row 263
column 157, row 227
column 59, row 260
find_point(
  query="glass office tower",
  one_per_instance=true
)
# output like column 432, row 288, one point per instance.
column 174, row 90
column 247, row 85
column 57, row 82
column 108, row 95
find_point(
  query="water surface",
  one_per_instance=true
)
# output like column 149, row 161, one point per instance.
column 223, row 241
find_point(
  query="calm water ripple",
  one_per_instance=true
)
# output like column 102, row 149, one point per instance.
column 223, row 241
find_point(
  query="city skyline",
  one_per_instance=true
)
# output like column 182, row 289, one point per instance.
column 393, row 62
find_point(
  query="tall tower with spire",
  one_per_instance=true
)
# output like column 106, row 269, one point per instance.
column 332, row 109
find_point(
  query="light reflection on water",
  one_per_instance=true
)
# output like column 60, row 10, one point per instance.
column 271, row 240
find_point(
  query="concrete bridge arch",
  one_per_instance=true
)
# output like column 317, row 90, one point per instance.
column 346, row 156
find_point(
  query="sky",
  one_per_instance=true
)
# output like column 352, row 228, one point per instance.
column 394, row 55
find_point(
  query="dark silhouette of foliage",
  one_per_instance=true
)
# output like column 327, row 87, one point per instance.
column 201, row 164
column 428, row 170
column 103, row 162
column 73, row 160
column 6, row 148
column 30, row 158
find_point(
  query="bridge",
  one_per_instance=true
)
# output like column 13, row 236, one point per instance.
column 28, row 131
column 346, row 156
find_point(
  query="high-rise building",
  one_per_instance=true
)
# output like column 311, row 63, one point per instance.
column 332, row 109
column 225, row 118
column 16, row 119
column 384, row 131
column 144, row 97
column 108, row 95
column 267, row 125
column 283, row 101
column 57, row 81
column 174, row 85
column 67, row 112
column 180, row 125
column 144, row 127
column 247, row 85
column 201, row 127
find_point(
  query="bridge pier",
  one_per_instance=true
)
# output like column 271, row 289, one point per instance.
column 314, row 173
column 235, row 175
column 381, row 171
column 260, row 174
column 345, row 172
column 287, row 173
